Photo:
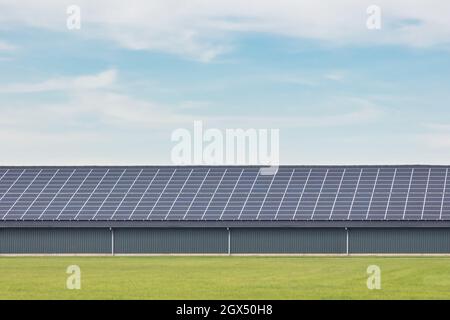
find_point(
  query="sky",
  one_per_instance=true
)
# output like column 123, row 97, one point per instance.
column 114, row 91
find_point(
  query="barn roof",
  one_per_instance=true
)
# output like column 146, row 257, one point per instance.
column 413, row 195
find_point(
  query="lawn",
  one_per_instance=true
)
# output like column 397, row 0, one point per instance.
column 225, row 278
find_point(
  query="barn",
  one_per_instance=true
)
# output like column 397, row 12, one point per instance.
column 225, row 210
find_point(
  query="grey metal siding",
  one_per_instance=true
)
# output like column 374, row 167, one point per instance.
column 195, row 240
column 57, row 241
column 215, row 240
column 399, row 240
column 288, row 240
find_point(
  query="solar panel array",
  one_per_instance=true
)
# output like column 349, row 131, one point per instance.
column 225, row 193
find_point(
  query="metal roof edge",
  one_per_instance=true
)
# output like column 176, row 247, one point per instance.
column 227, row 224
column 230, row 166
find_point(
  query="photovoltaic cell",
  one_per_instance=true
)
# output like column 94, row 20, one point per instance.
column 225, row 193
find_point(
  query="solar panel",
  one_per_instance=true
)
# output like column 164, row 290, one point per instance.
column 225, row 193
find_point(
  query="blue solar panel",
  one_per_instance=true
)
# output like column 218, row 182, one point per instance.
column 225, row 193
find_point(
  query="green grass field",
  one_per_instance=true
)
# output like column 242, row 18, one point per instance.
column 225, row 278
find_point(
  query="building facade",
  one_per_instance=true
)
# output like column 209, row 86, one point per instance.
column 225, row 210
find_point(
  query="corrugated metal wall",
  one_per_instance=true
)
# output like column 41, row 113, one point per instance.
column 399, row 240
column 170, row 240
column 215, row 240
column 48, row 241
column 288, row 240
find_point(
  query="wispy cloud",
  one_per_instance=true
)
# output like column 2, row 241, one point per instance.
column 91, row 104
column 7, row 47
column 203, row 29
column 351, row 112
column 89, row 111
column 436, row 137
column 334, row 76
column 84, row 82
column 95, row 114
column 194, row 105
column 436, row 140
column 307, row 80
column 300, row 80
column 437, row 126
column 94, row 105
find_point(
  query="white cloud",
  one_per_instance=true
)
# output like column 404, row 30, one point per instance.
column 305, row 79
column 120, row 110
column 437, row 137
column 84, row 111
column 100, row 80
column 5, row 46
column 106, row 110
column 96, row 121
column 203, row 29
column 94, row 98
column 295, row 80
column 90, row 127
column 110, row 128
column 437, row 126
column 435, row 140
column 350, row 111
column 91, row 104
column 194, row 105
column 334, row 76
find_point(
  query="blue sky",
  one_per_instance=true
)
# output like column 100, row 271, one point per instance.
column 113, row 91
